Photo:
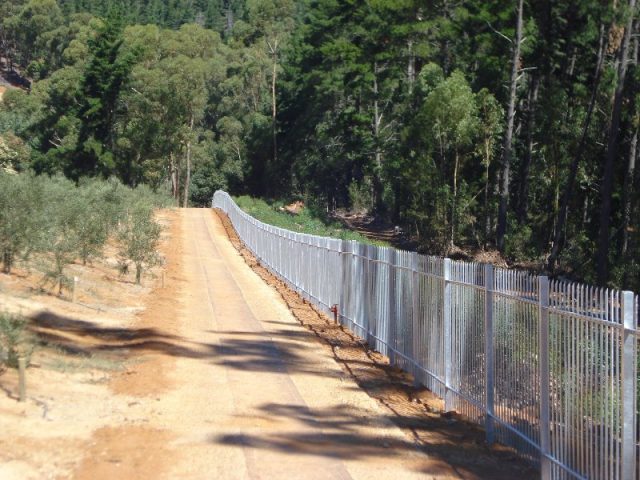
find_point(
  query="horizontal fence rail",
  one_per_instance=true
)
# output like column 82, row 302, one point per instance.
column 548, row 367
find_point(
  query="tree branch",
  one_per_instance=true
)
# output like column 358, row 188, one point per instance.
column 499, row 33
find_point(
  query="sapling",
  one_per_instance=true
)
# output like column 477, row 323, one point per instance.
column 14, row 339
column 138, row 236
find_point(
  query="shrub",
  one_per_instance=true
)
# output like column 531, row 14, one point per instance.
column 102, row 204
column 518, row 242
column 14, row 341
column 64, row 219
column 62, row 222
column 360, row 196
column 138, row 236
column 19, row 229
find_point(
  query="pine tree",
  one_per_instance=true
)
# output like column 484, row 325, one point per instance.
column 104, row 77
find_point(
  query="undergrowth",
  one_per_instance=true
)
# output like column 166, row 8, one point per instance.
column 307, row 221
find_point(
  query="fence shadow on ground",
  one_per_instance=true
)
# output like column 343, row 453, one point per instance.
column 76, row 336
column 345, row 432
column 277, row 352
column 259, row 351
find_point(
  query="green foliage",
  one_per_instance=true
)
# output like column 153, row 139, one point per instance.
column 360, row 196
column 101, row 207
column 13, row 152
column 14, row 339
column 103, row 78
column 307, row 221
column 281, row 99
column 53, row 223
column 518, row 245
column 19, row 229
column 32, row 27
column 62, row 223
column 214, row 14
column 437, row 168
column 138, row 235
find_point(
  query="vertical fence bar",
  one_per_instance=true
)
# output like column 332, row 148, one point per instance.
column 489, row 352
column 366, row 274
column 343, row 259
column 416, row 318
column 447, row 311
column 393, row 323
column 628, row 379
column 543, row 339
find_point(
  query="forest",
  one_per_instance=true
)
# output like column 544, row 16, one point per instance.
column 499, row 126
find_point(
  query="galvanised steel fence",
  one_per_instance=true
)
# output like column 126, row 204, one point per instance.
column 546, row 366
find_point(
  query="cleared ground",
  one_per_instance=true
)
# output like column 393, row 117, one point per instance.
column 217, row 378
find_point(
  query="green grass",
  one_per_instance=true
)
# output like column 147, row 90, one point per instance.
column 65, row 362
column 305, row 222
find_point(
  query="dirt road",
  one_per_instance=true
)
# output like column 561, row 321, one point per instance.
column 250, row 394
column 221, row 381
column 239, row 390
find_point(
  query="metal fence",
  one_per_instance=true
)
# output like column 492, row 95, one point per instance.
column 548, row 367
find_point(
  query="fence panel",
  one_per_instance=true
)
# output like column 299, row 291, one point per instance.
column 516, row 353
column 549, row 367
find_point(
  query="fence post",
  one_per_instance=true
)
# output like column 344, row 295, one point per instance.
column 628, row 388
column 366, row 280
column 416, row 319
column 344, row 265
column 489, row 352
column 74, row 288
column 446, row 309
column 22, row 379
column 392, row 306
column 543, row 340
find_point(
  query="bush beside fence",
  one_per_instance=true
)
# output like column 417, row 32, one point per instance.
column 547, row 367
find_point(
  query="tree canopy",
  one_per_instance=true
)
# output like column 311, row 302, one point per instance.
column 474, row 125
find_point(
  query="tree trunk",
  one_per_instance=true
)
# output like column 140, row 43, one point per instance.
column 445, row 48
column 487, row 184
column 274, row 107
column 585, row 211
column 411, row 66
column 523, row 206
column 567, row 194
column 274, row 112
column 508, row 137
column 60, row 269
column 7, row 262
column 138, row 273
column 173, row 171
column 602, row 257
column 454, row 203
column 229, row 19
column 187, row 180
column 377, row 120
column 627, row 193
column 628, row 188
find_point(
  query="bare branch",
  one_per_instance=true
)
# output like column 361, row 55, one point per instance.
column 499, row 33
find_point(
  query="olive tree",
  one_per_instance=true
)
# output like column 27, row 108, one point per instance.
column 102, row 206
column 65, row 212
column 138, row 235
column 20, row 196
